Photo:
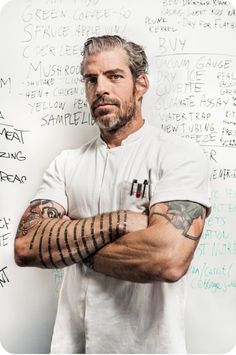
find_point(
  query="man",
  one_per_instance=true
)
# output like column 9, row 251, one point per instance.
column 123, row 214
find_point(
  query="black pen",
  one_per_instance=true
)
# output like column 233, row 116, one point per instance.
column 149, row 184
column 145, row 183
column 132, row 186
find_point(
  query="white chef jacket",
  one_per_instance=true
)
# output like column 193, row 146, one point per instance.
column 101, row 314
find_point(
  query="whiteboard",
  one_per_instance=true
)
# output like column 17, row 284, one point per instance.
column 192, row 55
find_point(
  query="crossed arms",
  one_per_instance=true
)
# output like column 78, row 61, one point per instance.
column 122, row 244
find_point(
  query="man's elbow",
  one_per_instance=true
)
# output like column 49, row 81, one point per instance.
column 21, row 252
column 174, row 274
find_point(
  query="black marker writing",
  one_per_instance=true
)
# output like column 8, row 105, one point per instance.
column 4, row 239
column 12, row 134
column 68, row 119
column 16, row 155
column 5, row 177
column 4, row 223
column 1, row 115
column 3, row 276
column 5, row 83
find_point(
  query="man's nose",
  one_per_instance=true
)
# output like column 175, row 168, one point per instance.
column 102, row 86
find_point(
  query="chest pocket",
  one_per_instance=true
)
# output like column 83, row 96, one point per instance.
column 135, row 195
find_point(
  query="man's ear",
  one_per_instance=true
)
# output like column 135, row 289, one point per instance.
column 141, row 85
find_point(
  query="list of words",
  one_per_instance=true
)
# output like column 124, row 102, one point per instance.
column 13, row 140
column 195, row 93
column 52, row 38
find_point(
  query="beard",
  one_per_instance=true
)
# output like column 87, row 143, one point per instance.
column 113, row 121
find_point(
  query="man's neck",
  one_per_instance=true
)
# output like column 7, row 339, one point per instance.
column 115, row 138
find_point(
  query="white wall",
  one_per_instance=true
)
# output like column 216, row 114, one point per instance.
column 192, row 54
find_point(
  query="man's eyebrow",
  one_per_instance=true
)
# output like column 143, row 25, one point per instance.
column 89, row 75
column 114, row 71
column 107, row 72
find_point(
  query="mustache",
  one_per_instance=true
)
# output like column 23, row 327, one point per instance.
column 105, row 101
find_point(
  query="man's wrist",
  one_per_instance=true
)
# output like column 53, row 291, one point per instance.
column 121, row 223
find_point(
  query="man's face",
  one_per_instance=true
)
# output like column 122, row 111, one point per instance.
column 110, row 89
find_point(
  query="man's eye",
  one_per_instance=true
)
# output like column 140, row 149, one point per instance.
column 116, row 76
column 91, row 80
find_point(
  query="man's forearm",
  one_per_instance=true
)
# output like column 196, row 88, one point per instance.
column 127, row 258
column 161, row 252
column 57, row 242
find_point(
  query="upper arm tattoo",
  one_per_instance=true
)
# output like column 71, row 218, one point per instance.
column 181, row 215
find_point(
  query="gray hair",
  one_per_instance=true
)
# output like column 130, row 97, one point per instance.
column 137, row 59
